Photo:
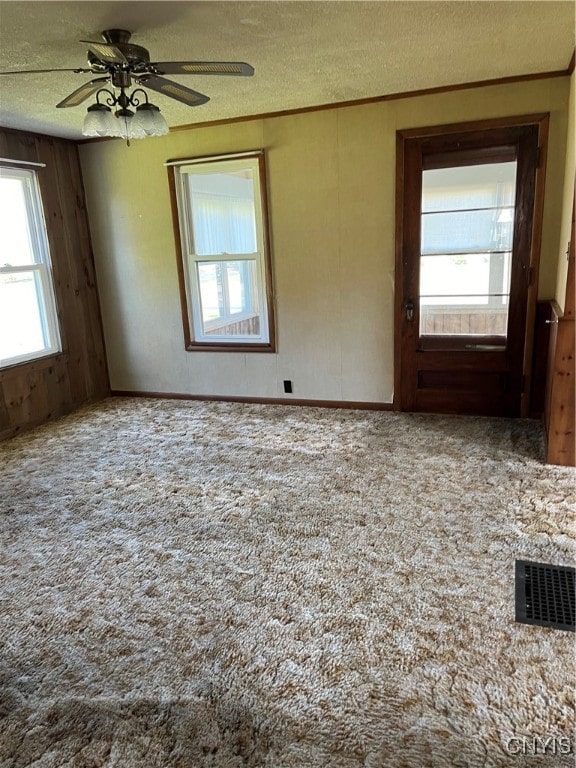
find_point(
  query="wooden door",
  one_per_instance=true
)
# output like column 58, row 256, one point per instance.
column 468, row 222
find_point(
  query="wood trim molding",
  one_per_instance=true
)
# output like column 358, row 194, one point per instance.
column 345, row 404
column 205, row 346
column 513, row 121
column 377, row 99
column 534, row 264
column 370, row 100
column 399, row 268
column 179, row 255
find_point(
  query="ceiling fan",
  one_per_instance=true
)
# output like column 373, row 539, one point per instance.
column 124, row 65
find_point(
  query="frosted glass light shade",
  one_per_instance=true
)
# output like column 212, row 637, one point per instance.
column 160, row 125
column 122, row 128
column 140, row 124
column 148, row 122
column 99, row 121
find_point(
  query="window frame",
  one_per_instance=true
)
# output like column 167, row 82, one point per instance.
column 41, row 268
column 187, row 260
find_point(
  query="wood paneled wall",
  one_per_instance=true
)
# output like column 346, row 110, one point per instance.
column 32, row 393
column 540, row 356
column 560, row 400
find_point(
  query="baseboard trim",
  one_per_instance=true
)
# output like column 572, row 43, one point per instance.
column 346, row 404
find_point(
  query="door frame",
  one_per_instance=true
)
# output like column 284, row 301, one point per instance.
column 541, row 122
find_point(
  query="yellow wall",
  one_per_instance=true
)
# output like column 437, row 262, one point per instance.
column 331, row 181
column 569, row 178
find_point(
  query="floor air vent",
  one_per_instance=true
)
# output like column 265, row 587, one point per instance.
column 545, row 595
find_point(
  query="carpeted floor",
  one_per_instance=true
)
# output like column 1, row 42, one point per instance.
column 216, row 585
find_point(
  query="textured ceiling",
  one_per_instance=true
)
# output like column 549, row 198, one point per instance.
column 304, row 53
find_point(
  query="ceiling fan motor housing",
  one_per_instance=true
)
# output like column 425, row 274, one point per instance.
column 136, row 55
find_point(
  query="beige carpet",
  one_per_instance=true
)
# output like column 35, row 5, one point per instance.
column 220, row 585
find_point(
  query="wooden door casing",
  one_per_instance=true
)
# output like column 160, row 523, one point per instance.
column 441, row 374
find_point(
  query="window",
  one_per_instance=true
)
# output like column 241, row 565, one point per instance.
column 225, row 267
column 28, row 321
column 466, row 249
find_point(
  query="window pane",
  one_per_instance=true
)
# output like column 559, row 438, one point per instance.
column 229, row 298
column 17, row 242
column 223, row 213
column 21, row 315
column 28, row 321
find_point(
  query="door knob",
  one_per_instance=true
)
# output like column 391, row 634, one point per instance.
column 409, row 307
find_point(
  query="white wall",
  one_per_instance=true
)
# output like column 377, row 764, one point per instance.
column 331, row 182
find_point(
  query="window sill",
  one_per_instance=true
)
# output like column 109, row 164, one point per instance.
column 40, row 363
column 224, row 346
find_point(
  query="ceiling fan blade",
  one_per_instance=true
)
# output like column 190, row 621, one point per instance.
column 173, row 90
column 41, row 71
column 204, row 68
column 106, row 52
column 82, row 93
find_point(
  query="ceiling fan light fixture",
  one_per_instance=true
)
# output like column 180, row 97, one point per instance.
column 99, row 121
column 123, row 66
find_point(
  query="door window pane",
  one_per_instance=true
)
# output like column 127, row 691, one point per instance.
column 466, row 249
column 466, row 231
column 465, row 187
column 462, row 316
column 482, row 277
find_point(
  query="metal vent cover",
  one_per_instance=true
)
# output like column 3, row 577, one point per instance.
column 545, row 595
